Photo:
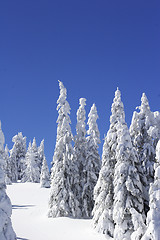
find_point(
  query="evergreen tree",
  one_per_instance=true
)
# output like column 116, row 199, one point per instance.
column 61, row 197
column 153, row 216
column 31, row 173
column 6, row 230
column 13, row 163
column 144, row 134
column 157, row 124
column 93, row 162
column 128, row 194
column 8, row 172
column 17, row 155
column 80, row 155
column 41, row 154
column 104, row 192
column 37, row 160
column 2, row 152
column 45, row 175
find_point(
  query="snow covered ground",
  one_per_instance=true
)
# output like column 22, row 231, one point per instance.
column 30, row 221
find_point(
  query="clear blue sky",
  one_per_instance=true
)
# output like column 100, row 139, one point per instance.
column 92, row 46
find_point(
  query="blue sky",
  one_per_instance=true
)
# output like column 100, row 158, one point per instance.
column 92, row 46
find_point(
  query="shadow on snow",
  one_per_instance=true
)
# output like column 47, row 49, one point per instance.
column 22, row 207
column 18, row 238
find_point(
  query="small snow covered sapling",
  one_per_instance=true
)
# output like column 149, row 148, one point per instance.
column 31, row 173
column 45, row 175
column 17, row 157
column 38, row 163
column 41, row 155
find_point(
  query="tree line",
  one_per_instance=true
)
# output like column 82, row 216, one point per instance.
column 25, row 165
column 120, row 192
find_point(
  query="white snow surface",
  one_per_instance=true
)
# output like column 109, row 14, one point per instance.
column 30, row 221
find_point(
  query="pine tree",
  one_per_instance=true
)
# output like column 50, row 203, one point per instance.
column 156, row 136
column 144, row 134
column 13, row 163
column 38, row 162
column 31, row 173
column 93, row 162
column 17, row 156
column 61, row 197
column 153, row 216
column 41, row 154
column 128, row 194
column 80, row 155
column 104, row 191
column 8, row 172
column 45, row 175
column 6, row 230
column 2, row 152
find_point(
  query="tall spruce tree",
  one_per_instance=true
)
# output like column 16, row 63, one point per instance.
column 104, row 191
column 153, row 216
column 128, row 195
column 144, row 134
column 61, row 200
column 80, row 155
column 93, row 162
column 6, row 230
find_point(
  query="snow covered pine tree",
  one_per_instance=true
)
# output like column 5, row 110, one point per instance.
column 153, row 216
column 17, row 156
column 61, row 197
column 93, row 162
column 128, row 208
column 144, row 134
column 7, row 168
column 80, row 160
column 117, row 205
column 42, row 163
column 6, row 230
column 31, row 173
column 45, row 175
column 38, row 161
column 104, row 192
column 41, row 154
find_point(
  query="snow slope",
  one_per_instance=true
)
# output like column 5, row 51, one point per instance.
column 30, row 221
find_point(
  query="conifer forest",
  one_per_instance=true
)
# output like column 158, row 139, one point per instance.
column 118, row 191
